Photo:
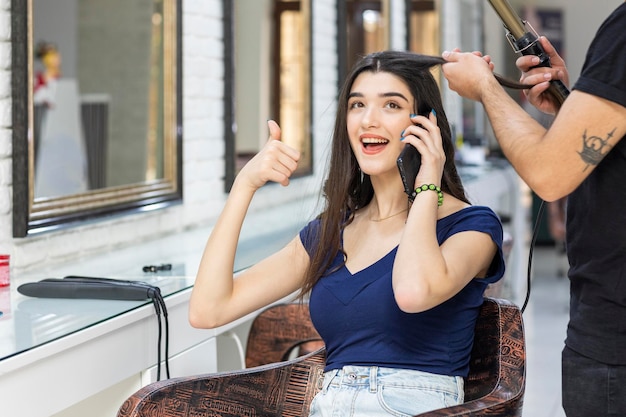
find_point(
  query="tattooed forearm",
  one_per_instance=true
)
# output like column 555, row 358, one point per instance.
column 595, row 148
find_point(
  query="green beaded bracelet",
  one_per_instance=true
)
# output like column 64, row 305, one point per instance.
column 431, row 187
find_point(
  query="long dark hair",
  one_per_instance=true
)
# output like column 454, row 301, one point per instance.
column 347, row 189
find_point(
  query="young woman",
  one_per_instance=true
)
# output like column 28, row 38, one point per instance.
column 394, row 287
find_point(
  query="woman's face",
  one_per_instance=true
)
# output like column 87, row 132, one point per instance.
column 52, row 61
column 379, row 108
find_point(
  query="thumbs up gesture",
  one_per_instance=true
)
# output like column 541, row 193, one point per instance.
column 275, row 162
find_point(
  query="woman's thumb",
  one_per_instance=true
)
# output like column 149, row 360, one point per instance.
column 274, row 129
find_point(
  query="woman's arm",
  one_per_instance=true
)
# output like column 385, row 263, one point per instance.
column 426, row 274
column 217, row 298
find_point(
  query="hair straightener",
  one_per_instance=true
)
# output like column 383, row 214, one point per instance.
column 79, row 287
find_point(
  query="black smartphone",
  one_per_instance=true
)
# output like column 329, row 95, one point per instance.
column 409, row 163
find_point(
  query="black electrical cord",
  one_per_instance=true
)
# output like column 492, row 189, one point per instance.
column 157, row 309
column 530, row 253
column 161, row 307
column 167, row 337
column 153, row 293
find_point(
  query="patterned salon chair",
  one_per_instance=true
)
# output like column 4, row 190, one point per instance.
column 275, row 386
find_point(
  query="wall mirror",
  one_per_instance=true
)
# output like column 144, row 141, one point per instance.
column 365, row 25
column 423, row 34
column 96, row 109
column 268, row 75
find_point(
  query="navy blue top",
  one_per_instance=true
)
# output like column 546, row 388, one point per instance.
column 361, row 324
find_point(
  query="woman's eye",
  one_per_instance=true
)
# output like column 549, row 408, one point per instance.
column 355, row 105
column 393, row 105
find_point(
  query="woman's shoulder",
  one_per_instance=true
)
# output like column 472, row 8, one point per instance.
column 461, row 210
column 309, row 234
column 471, row 217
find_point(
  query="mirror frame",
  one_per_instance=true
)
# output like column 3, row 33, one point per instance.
column 32, row 215
column 343, row 37
column 230, row 111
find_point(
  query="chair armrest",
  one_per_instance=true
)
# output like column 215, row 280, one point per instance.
column 492, row 405
column 279, row 389
column 506, row 398
column 277, row 331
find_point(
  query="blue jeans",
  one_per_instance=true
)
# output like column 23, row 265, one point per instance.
column 592, row 388
column 365, row 391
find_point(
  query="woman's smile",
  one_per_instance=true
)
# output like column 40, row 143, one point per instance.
column 373, row 144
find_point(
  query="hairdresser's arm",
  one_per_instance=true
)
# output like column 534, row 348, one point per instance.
column 552, row 162
column 540, row 77
column 426, row 274
column 217, row 298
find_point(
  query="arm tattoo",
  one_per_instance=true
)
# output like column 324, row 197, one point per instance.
column 595, row 148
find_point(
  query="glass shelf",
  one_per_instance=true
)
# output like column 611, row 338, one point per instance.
column 29, row 322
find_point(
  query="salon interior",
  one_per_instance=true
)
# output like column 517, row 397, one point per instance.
column 123, row 125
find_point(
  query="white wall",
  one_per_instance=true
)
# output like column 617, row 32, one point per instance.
column 397, row 25
column 5, row 128
column 582, row 19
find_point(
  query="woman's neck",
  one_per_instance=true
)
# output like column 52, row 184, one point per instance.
column 388, row 201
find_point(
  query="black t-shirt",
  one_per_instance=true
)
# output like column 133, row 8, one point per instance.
column 596, row 214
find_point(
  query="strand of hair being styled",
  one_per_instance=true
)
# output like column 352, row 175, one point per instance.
column 434, row 60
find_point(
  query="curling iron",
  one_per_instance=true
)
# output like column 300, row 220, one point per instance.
column 526, row 42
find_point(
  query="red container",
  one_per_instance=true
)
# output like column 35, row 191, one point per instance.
column 5, row 276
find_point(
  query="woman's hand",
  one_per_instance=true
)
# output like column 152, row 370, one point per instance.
column 425, row 135
column 275, row 162
column 539, row 78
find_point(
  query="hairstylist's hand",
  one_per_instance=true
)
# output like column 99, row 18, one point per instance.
column 486, row 58
column 275, row 162
column 425, row 135
column 468, row 74
column 540, row 77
